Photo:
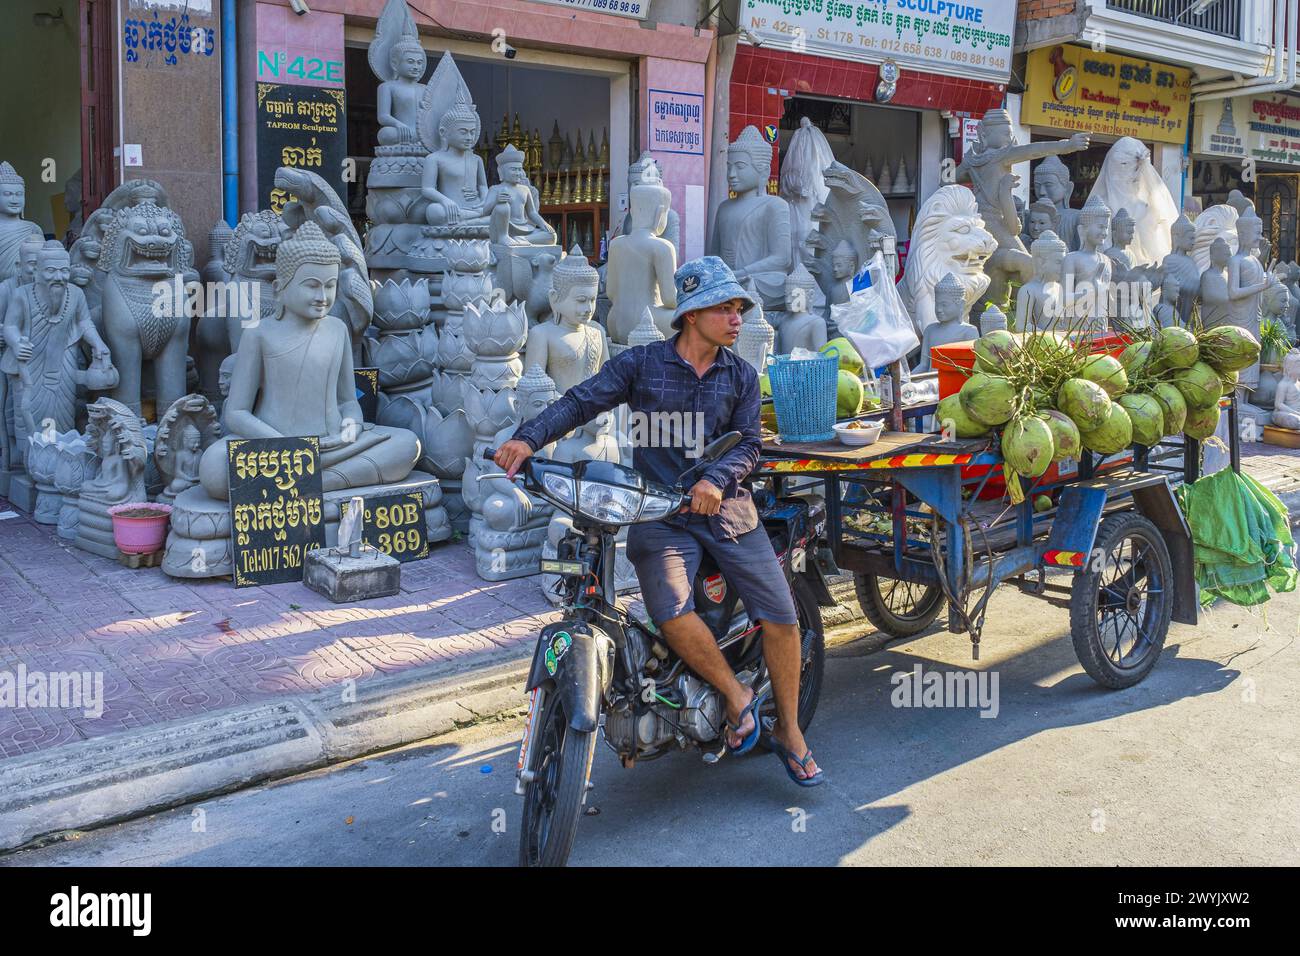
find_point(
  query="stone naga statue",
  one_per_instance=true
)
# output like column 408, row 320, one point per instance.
column 293, row 377
column 144, row 245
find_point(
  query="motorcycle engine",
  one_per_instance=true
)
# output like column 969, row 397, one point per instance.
column 700, row 717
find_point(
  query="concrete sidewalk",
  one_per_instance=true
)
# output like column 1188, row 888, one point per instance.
column 207, row 688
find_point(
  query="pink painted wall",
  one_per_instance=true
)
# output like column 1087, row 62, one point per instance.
column 685, row 174
column 282, row 37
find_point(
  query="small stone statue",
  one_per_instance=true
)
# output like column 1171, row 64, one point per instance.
column 992, row 319
column 14, row 229
column 10, row 289
column 454, row 180
column 1275, row 305
column 1286, row 403
column 950, row 311
column 757, row 337
column 1039, row 302
column 1213, row 287
column 1217, row 222
column 512, row 205
column 751, row 233
column 1166, row 312
column 1183, row 267
column 1131, row 285
column 1041, row 217
column 571, row 347
column 46, row 324
column 1128, row 180
column 1086, row 273
column 114, row 433
column 1052, row 184
column 184, row 431
column 398, row 61
column 293, row 377
column 641, row 266
column 801, row 327
column 1246, row 281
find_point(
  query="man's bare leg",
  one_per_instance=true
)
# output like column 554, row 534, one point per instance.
column 692, row 641
column 781, row 653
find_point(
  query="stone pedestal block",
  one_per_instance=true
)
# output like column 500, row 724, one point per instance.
column 22, row 491
column 345, row 579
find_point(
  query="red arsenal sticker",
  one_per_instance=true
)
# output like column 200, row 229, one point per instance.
column 715, row 587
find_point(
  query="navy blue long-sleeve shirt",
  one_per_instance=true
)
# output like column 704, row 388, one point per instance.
column 675, row 413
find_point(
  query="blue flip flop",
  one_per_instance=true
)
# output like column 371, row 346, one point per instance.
column 786, row 756
column 748, row 743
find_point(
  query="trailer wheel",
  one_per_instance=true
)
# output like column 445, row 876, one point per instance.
column 898, row 608
column 1121, row 602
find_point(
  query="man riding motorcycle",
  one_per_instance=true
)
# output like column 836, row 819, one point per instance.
column 695, row 374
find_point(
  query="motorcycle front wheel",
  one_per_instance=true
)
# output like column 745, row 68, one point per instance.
column 553, row 800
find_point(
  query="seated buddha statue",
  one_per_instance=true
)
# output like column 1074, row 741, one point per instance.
column 293, row 378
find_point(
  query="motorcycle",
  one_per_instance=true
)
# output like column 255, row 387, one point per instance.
column 599, row 668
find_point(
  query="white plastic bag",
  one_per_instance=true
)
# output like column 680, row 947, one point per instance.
column 875, row 319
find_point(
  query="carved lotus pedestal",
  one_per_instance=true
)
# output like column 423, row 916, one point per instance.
column 42, row 459
column 198, row 545
column 75, row 463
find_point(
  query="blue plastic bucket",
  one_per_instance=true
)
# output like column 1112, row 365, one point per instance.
column 804, row 393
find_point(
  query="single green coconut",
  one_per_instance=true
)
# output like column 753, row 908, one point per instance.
column 1229, row 348
column 1042, row 503
column 1146, row 416
column 1173, row 405
column 1135, row 357
column 988, row 399
column 1201, row 423
column 1084, row 401
column 848, row 394
column 1066, row 442
column 850, row 360
column 1115, row 434
column 1177, row 348
column 950, row 411
column 1027, row 445
column 1200, row 385
column 1044, row 345
column 993, row 350
column 1107, row 372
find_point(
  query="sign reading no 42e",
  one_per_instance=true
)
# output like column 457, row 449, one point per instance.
column 969, row 38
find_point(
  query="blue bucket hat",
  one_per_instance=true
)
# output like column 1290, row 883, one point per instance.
column 706, row 282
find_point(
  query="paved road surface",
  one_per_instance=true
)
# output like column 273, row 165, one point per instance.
column 1200, row 764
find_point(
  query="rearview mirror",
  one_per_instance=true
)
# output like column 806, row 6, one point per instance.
column 720, row 446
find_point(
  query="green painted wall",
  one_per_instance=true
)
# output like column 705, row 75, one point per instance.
column 40, row 107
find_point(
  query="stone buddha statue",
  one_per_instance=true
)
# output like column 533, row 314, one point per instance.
column 641, row 266
column 399, row 95
column 1286, row 402
column 511, row 205
column 1038, row 301
column 1086, row 272
column 1182, row 267
column 950, row 311
column 751, row 233
column 1052, row 184
column 1247, row 280
column 14, row 229
column 801, row 326
column 1213, row 285
column 454, row 180
column 1040, row 217
column 646, row 170
column 293, row 377
column 571, row 347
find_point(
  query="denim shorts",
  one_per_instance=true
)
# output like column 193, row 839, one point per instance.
column 667, row 557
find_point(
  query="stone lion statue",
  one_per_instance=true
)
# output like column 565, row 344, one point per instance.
column 949, row 236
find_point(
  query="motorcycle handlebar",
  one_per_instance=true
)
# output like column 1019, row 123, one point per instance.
column 489, row 454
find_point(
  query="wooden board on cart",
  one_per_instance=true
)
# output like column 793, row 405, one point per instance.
column 890, row 450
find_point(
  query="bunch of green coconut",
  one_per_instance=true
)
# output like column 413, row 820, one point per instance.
column 1052, row 397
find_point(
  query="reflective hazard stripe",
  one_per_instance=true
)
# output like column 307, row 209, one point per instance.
column 895, row 461
column 1066, row 559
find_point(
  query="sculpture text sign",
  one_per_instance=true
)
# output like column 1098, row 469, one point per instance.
column 1266, row 127
column 970, row 38
column 676, row 122
column 1076, row 88
column 304, row 126
column 395, row 525
column 276, row 507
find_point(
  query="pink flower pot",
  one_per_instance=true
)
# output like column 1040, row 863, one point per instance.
column 140, row 527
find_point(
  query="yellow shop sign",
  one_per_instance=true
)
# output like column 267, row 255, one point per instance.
column 1075, row 88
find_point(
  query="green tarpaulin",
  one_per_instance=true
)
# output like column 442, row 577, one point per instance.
column 1242, row 538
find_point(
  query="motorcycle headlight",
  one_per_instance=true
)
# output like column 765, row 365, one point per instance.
column 609, row 504
column 559, row 487
column 655, row 507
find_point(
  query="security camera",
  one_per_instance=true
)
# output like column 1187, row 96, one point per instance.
column 510, row 52
column 300, row 7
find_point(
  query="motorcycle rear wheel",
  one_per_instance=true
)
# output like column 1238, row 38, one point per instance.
column 553, row 800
